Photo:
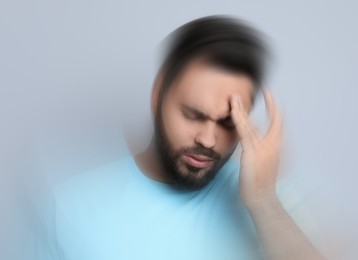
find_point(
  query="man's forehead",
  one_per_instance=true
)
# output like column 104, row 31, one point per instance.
column 208, row 88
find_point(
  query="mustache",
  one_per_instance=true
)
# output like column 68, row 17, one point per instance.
column 198, row 150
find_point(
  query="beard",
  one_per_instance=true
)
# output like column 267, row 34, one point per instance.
column 182, row 174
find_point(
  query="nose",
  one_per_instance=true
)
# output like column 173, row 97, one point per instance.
column 206, row 136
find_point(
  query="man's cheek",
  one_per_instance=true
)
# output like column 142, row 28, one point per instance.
column 180, row 130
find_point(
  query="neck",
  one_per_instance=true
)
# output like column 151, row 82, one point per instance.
column 149, row 162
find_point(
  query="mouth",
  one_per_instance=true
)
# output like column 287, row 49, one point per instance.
column 198, row 161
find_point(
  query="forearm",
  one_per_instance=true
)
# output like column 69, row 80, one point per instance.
column 280, row 237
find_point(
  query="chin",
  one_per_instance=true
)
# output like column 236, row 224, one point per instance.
column 192, row 178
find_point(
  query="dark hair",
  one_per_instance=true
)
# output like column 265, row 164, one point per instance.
column 223, row 41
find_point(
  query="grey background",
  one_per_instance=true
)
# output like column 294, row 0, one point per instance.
column 73, row 74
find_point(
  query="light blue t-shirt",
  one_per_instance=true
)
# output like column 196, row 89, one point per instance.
column 116, row 212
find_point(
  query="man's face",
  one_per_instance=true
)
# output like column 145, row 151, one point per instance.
column 194, row 132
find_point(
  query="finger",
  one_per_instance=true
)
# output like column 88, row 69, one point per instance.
column 276, row 120
column 245, row 129
column 253, row 129
column 256, row 131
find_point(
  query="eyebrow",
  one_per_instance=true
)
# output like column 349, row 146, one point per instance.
column 203, row 115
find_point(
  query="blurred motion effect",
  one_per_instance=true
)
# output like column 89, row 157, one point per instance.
column 76, row 83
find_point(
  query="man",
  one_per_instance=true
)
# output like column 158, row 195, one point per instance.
column 183, row 198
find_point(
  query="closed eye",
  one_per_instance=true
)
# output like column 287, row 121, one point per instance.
column 227, row 123
column 193, row 116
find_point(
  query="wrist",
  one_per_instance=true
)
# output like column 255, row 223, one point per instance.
column 263, row 203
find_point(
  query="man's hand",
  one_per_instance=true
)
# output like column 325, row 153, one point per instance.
column 260, row 152
column 279, row 235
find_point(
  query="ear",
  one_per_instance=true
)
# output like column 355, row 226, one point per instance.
column 155, row 93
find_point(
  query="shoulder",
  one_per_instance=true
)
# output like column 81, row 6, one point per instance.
column 93, row 184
